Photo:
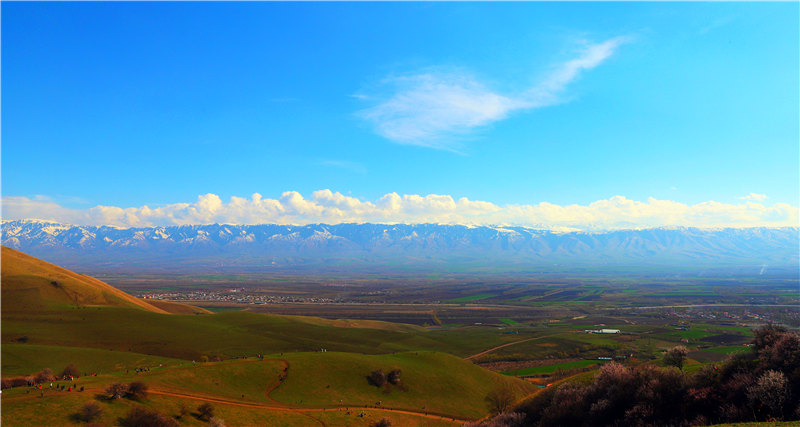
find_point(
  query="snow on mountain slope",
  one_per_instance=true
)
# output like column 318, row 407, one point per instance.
column 411, row 241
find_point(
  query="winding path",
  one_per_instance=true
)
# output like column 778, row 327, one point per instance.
column 294, row 409
column 506, row 345
column 275, row 405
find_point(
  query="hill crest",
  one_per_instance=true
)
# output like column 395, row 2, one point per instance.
column 28, row 282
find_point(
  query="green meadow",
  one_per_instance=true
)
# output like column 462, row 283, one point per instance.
column 429, row 382
column 228, row 334
column 730, row 349
column 24, row 359
column 471, row 298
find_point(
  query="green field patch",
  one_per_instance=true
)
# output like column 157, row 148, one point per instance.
column 684, row 294
column 471, row 298
column 691, row 334
column 689, row 291
column 730, row 349
column 549, row 369
column 742, row 329
column 510, row 322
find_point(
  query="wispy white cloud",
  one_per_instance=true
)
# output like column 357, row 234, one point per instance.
column 326, row 206
column 755, row 197
column 433, row 108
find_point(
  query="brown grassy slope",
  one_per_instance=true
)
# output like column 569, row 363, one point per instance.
column 29, row 283
column 177, row 308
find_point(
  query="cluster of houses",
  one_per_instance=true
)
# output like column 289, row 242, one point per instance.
column 601, row 331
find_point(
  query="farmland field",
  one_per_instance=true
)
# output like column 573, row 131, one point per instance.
column 293, row 361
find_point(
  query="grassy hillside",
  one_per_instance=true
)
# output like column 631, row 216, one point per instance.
column 24, row 359
column 225, row 334
column 29, row 283
column 52, row 317
column 57, row 408
column 177, row 308
column 430, row 382
column 330, row 387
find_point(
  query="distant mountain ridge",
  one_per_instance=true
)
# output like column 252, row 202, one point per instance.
column 285, row 245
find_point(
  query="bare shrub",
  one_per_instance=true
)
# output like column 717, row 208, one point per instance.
column 137, row 390
column 771, row 391
column 383, row 422
column 377, row 378
column 568, row 406
column 143, row 417
column 89, row 412
column 394, row 377
column 116, row 390
column 70, row 371
column 767, row 335
column 43, row 376
column 205, row 411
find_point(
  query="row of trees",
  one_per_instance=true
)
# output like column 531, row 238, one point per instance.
column 44, row 376
column 760, row 385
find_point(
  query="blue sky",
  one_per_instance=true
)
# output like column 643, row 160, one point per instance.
column 127, row 105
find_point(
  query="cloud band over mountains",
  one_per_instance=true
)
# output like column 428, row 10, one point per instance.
column 326, row 206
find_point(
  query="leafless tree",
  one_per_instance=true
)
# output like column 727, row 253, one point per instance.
column 116, row 390
column 43, row 376
column 770, row 390
column 676, row 356
column 500, row 399
column 89, row 411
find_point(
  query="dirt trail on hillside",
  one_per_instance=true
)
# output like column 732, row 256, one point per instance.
column 278, row 381
column 275, row 406
column 293, row 409
column 506, row 345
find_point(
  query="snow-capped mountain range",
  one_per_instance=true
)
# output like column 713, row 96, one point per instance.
column 271, row 244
